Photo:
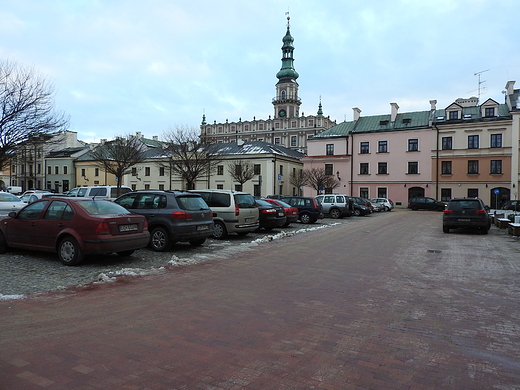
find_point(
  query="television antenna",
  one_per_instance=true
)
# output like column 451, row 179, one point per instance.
column 480, row 82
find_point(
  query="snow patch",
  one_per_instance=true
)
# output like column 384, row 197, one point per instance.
column 11, row 297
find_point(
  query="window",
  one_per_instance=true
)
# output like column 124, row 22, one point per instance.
column 446, row 194
column 382, row 192
column 220, row 186
column 49, row 170
column 293, row 140
column 329, row 169
column 238, row 170
column 330, row 149
column 147, row 186
column 277, row 141
column 446, row 167
column 447, row 143
column 133, row 186
column 382, row 168
column 83, row 172
column 413, row 167
column 382, row 147
column 364, row 147
column 472, row 192
column 453, row 115
column 490, row 112
column 161, row 171
column 56, row 170
column 147, row 171
column 363, row 168
column 496, row 167
column 363, row 192
column 281, row 171
column 39, row 168
column 220, row 169
column 472, row 141
column 496, row 140
column 257, row 169
column 161, row 187
column 134, row 171
column 413, row 145
column 96, row 172
column 472, row 167
column 65, row 170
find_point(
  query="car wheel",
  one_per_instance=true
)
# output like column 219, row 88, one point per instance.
column 440, row 208
column 484, row 230
column 305, row 218
column 3, row 243
column 446, row 229
column 219, row 232
column 387, row 208
column 357, row 213
column 335, row 213
column 414, row 208
column 69, row 252
column 160, row 240
column 125, row 253
column 197, row 242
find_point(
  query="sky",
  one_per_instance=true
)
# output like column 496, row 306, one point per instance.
column 124, row 66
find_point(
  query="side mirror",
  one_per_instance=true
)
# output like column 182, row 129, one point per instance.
column 12, row 214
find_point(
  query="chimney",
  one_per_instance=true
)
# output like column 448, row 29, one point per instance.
column 240, row 142
column 433, row 106
column 155, row 138
column 357, row 113
column 138, row 134
column 395, row 108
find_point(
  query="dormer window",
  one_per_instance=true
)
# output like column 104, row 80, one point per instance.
column 383, row 123
column 453, row 115
column 489, row 112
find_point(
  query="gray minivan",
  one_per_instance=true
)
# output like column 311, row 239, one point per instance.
column 233, row 211
column 335, row 205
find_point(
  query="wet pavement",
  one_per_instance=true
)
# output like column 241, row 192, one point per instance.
column 380, row 303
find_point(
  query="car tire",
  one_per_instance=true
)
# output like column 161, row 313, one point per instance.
column 3, row 244
column 305, row 218
column 219, row 231
column 335, row 214
column 440, row 208
column 125, row 253
column 160, row 240
column 387, row 208
column 69, row 251
column 484, row 230
column 356, row 213
column 197, row 242
column 414, row 208
column 446, row 229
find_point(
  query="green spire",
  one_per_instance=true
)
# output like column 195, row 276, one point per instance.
column 203, row 120
column 320, row 109
column 287, row 71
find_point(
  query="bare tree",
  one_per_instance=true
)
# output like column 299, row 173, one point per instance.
column 188, row 155
column 26, row 108
column 241, row 171
column 319, row 180
column 296, row 179
column 119, row 156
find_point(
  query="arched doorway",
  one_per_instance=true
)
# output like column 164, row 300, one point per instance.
column 2, row 185
column 499, row 196
column 414, row 192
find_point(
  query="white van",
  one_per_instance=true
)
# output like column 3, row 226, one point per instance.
column 99, row 192
column 14, row 190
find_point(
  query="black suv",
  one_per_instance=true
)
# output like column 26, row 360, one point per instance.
column 172, row 216
column 465, row 213
column 425, row 203
column 309, row 209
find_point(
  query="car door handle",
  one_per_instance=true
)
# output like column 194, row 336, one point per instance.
column 60, row 225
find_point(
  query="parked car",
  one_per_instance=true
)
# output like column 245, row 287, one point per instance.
column 15, row 190
column 425, row 203
column 512, row 205
column 384, row 204
column 8, row 203
column 465, row 213
column 335, row 205
column 173, row 216
column 37, row 195
column 291, row 213
column 233, row 211
column 270, row 215
column 309, row 209
column 98, row 192
column 360, row 206
column 27, row 194
column 74, row 228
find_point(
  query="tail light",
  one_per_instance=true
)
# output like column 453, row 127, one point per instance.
column 181, row 215
column 237, row 210
column 448, row 212
column 102, row 228
column 480, row 212
column 268, row 211
column 314, row 203
column 145, row 224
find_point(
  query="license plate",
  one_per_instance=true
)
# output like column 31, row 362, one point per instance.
column 128, row 228
column 249, row 220
column 464, row 220
column 202, row 227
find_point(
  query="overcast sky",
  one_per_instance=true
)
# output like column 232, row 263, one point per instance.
column 122, row 66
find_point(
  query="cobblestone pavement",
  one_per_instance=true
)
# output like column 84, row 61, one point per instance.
column 388, row 302
column 27, row 272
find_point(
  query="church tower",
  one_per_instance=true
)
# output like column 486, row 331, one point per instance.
column 287, row 103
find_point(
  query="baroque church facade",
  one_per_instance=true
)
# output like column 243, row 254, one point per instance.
column 287, row 127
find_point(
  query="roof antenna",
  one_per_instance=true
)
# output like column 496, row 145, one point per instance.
column 480, row 82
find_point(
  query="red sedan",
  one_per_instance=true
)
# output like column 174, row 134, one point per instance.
column 290, row 212
column 74, row 227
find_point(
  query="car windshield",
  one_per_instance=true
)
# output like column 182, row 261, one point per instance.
column 192, row 203
column 101, row 207
column 7, row 197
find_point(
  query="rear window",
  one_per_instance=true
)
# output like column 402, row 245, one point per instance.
column 192, row 203
column 99, row 207
column 98, row 191
column 245, row 201
column 122, row 191
column 464, row 205
column 219, row 200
